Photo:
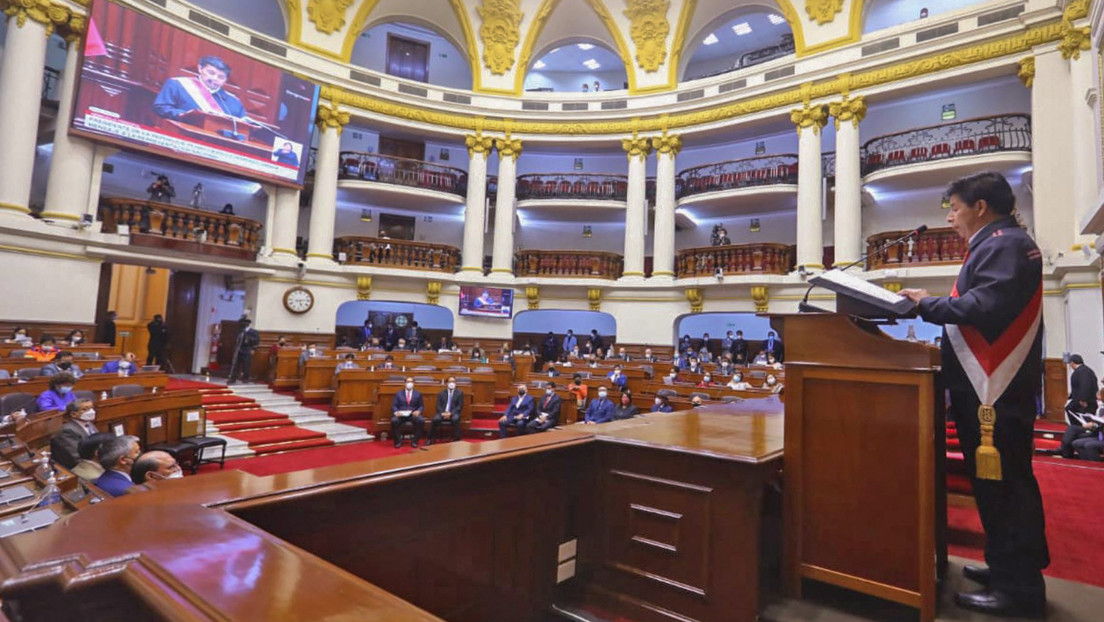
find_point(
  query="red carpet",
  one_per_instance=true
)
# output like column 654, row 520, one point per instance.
column 178, row 384
column 283, row 438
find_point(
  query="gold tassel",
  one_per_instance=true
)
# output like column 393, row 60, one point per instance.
column 987, row 457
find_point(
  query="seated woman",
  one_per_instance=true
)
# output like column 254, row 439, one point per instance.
column 736, row 383
column 772, row 362
column 477, row 352
column 625, row 409
column 75, row 338
column 706, row 381
column 662, row 405
column 19, row 336
column 760, row 359
column 773, row 384
column 60, row 393
column 45, row 351
column 579, row 390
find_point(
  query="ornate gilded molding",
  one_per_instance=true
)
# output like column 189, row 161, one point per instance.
column 73, row 30
column 328, row 15
column 823, row 11
column 667, row 144
column 760, row 297
column 1074, row 39
column 433, row 292
column 532, row 294
column 1026, row 72
column 649, row 27
column 594, row 298
column 478, row 143
column 332, row 117
column 364, row 287
column 696, row 297
column 636, row 147
column 500, row 33
column 809, row 116
column 508, row 147
column 45, row 12
column 851, row 109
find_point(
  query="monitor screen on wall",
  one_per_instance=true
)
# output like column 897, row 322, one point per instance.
column 150, row 86
column 486, row 301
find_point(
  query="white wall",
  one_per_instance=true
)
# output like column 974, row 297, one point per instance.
column 569, row 236
column 777, row 227
column 572, row 81
column 354, row 312
column 448, row 67
column 56, row 288
column 717, row 324
column 888, row 13
column 215, row 304
column 559, row 321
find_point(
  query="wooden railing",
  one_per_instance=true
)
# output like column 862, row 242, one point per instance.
column 1009, row 132
column 934, row 247
column 569, row 264
column 765, row 258
column 181, row 228
column 404, row 254
column 579, row 186
column 757, row 171
column 399, row 171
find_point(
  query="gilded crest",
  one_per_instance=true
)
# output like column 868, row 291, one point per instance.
column 500, row 33
column 328, row 15
column 649, row 28
column 823, row 11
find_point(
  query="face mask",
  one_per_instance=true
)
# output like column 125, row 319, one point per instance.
column 65, row 365
column 658, row 401
column 410, row 386
column 78, row 339
column 452, row 385
column 706, row 378
column 124, row 364
column 694, row 405
column 602, row 394
column 312, row 351
column 548, row 391
column 672, row 374
column 521, row 392
column 177, row 474
column 64, row 390
column 48, row 348
column 88, row 415
column 771, row 380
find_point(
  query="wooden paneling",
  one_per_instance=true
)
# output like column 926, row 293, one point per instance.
column 137, row 294
column 180, row 318
column 1055, row 390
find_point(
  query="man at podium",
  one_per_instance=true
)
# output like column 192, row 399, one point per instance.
column 204, row 92
column 992, row 363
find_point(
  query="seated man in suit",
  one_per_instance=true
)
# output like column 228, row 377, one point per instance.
column 450, row 402
column 672, row 377
column 311, row 352
column 63, row 362
column 617, row 378
column 518, row 413
column 407, row 406
column 153, row 466
column 694, row 367
column 79, row 418
column 553, row 372
column 725, row 366
column 88, row 467
column 648, row 356
column 123, row 367
column 348, row 363
column 622, row 355
column 662, row 405
column 548, row 411
column 59, row 394
column 600, row 410
column 117, row 458
column 388, row 363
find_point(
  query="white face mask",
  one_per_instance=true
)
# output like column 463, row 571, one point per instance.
column 312, row 351
column 658, row 401
column 88, row 415
column 673, row 374
column 177, row 474
column 410, row 386
column 124, row 364
column 452, row 385
column 602, row 394
column 706, row 378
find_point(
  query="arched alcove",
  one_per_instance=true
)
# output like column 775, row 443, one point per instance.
column 264, row 16
column 744, row 36
column 881, row 14
column 565, row 66
column 755, row 326
column 436, row 321
column 533, row 326
column 396, row 47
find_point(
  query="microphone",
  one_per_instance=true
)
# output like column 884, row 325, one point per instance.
column 805, row 307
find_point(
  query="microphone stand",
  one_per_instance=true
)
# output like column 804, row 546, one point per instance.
column 805, row 307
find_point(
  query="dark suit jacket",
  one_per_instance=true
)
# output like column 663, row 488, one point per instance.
column 550, row 405
column 740, row 347
column 113, row 483
column 400, row 403
column 63, row 446
column 454, row 406
column 521, row 406
column 1083, row 387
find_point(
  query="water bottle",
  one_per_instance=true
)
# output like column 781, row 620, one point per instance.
column 103, row 395
column 45, row 469
column 50, row 495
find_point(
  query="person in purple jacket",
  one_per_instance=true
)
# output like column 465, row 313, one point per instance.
column 60, row 393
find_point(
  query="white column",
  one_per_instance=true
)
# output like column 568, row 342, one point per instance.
column 848, row 112
column 1052, row 158
column 72, row 162
column 324, row 200
column 475, row 215
column 1085, row 144
column 21, row 68
column 636, row 207
column 502, row 257
column 285, row 224
column 810, row 235
column 663, row 240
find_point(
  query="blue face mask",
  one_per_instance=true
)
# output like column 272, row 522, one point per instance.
column 64, row 390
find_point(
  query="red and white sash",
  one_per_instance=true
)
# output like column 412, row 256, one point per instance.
column 203, row 98
column 992, row 366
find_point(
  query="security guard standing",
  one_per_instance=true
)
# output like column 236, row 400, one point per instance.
column 248, row 339
column 992, row 363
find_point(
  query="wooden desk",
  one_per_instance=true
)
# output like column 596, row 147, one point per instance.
column 103, row 349
column 96, row 383
column 358, row 391
column 469, row 532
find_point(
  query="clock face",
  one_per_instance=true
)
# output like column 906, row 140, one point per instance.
column 298, row 300
column 400, row 321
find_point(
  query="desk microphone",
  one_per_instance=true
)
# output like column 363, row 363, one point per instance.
column 805, row 307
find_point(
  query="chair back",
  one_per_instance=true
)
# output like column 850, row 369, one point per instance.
column 17, row 354
column 423, row 380
column 731, row 399
column 86, row 355
column 14, row 401
column 704, row 396
column 4, row 375
column 28, row 373
column 127, row 390
column 85, row 395
column 667, row 392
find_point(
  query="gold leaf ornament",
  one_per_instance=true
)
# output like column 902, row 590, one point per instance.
column 44, row 12
column 851, row 109
column 760, row 297
column 649, row 27
column 636, row 147
column 1026, row 72
column 328, row 15
column 809, row 116
column 500, row 33
column 696, row 297
column 508, row 147
column 823, row 11
column 331, row 117
column 478, row 144
column 667, row 144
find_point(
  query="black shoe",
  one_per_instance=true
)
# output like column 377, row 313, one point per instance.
column 398, row 444
column 414, row 444
column 977, row 574
column 994, row 602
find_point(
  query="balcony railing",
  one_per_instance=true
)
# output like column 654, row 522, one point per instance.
column 389, row 253
column 568, row 264
column 934, row 247
column 398, row 171
column 765, row 258
column 175, row 227
column 572, row 186
column 745, row 173
column 51, row 84
column 755, row 57
column 1010, row 132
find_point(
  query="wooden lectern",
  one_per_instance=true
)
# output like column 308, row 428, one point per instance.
column 865, row 502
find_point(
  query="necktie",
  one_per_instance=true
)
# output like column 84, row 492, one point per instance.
column 448, row 405
column 408, row 398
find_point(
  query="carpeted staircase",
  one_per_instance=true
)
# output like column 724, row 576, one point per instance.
column 254, row 420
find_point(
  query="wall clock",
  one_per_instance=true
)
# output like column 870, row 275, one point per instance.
column 298, row 300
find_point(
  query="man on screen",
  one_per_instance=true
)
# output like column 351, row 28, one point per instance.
column 484, row 301
column 180, row 96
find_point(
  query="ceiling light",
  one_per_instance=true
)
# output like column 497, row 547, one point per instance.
column 539, row 65
column 710, row 40
column 586, row 46
column 591, row 64
column 776, row 19
column 742, row 28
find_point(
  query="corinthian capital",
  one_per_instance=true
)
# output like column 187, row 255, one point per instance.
column 332, row 117
column 478, row 144
column 508, row 147
column 809, row 116
column 667, row 144
column 851, row 109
